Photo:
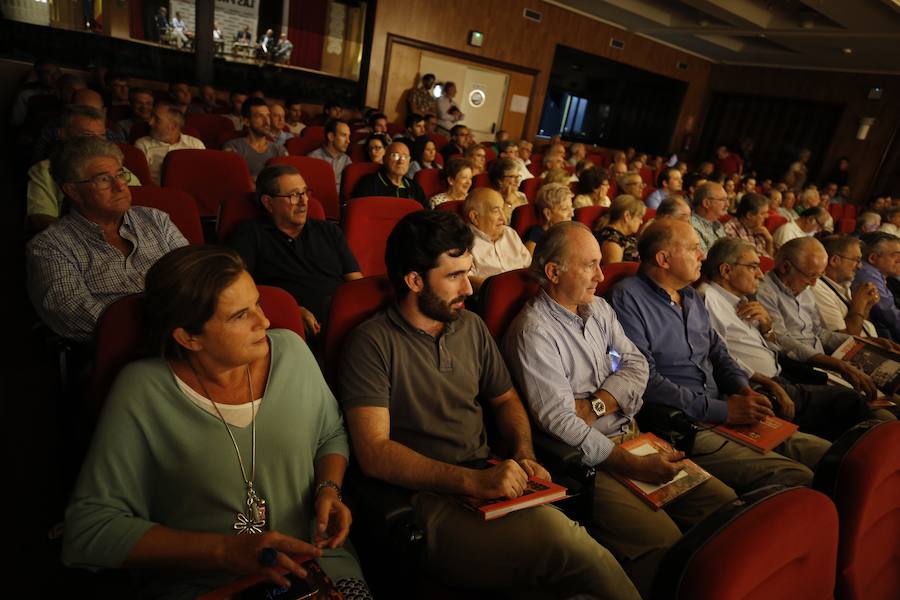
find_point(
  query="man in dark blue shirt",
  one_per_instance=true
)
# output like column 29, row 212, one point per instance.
column 690, row 367
column 305, row 257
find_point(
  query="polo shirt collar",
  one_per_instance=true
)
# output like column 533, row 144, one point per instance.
column 396, row 317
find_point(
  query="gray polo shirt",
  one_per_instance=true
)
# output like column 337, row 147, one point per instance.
column 431, row 385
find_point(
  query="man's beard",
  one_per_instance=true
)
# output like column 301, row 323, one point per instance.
column 431, row 305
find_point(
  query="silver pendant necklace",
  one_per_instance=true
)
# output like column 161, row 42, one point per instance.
column 254, row 519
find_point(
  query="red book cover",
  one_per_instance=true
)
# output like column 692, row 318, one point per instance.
column 539, row 491
column 762, row 436
column 658, row 495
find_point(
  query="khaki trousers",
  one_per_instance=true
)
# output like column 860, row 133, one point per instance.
column 537, row 552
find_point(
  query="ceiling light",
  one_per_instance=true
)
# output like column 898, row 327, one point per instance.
column 847, row 50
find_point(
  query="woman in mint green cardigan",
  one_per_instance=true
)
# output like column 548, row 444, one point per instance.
column 222, row 458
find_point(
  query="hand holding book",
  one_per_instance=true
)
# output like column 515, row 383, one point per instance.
column 505, row 479
column 748, row 407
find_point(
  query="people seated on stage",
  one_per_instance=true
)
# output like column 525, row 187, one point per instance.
column 266, row 45
column 334, row 149
column 416, row 420
column 458, row 174
column 749, row 223
column 592, row 189
column 257, row 146
column 731, row 275
column 690, row 368
column 504, row 177
column 668, row 182
column 165, row 135
column 423, row 156
column 582, row 379
column 497, row 247
column 710, row 203
column 840, row 308
column 459, row 141
column 810, row 222
column 100, row 250
column 786, row 294
column 391, row 180
column 244, row 37
column 180, row 32
column 217, row 361
column 553, row 205
column 617, row 229
column 307, row 257
column 283, row 50
column 161, row 25
column 881, row 260
column 376, row 146
column 45, row 197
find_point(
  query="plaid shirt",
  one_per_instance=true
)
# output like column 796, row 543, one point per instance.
column 734, row 228
column 74, row 273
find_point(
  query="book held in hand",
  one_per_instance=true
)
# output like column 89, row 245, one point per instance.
column 882, row 365
column 658, row 495
column 538, row 492
column 761, row 436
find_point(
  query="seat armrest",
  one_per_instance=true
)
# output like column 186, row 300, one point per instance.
column 383, row 510
column 669, row 423
column 560, row 458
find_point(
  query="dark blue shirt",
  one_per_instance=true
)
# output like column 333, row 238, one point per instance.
column 884, row 315
column 690, row 367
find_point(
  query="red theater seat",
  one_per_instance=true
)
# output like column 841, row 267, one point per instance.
column 237, row 210
column 367, row 225
column 210, row 176
column 431, row 181
column 209, row 128
column 589, row 214
column 614, row 273
column 523, row 218
column 773, row 222
column 530, row 187
column 454, row 206
column 135, row 161
column 301, row 146
column 503, row 296
column 351, row 176
column 180, row 206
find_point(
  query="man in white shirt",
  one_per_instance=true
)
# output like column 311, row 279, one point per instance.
column 810, row 222
column 166, row 122
column 732, row 274
column 498, row 248
column 840, row 309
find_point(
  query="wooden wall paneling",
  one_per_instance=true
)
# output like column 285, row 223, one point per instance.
column 511, row 38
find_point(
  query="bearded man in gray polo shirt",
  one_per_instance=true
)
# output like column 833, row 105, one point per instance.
column 412, row 382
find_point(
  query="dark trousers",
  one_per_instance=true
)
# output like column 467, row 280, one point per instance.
column 825, row 410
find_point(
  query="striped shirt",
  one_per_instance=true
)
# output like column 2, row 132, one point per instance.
column 74, row 273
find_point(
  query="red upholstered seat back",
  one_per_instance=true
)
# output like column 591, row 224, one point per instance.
column 180, row 206
column 846, row 225
column 454, row 206
column 481, row 180
column 503, row 296
column 367, row 225
column 209, row 128
column 614, row 273
column 780, row 548
column 867, row 495
column 237, row 210
column 773, row 222
column 530, row 187
column 119, row 337
column 352, row 174
column 210, row 176
column 766, row 263
column 431, row 181
column 135, row 161
column 316, row 132
column 523, row 218
column 300, row 145
column 589, row 214
column 319, row 176
column 353, row 303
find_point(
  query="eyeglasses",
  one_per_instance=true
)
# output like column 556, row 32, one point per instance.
column 294, row 197
column 513, row 176
column 640, row 183
column 104, row 181
column 399, row 157
column 804, row 273
column 856, row 260
column 752, row 266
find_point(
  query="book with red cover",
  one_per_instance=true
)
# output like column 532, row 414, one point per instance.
column 658, row 495
column 539, row 491
column 762, row 436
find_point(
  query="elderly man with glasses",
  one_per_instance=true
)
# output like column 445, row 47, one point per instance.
column 731, row 274
column 810, row 222
column 786, row 294
column 710, row 205
column 391, row 180
column 840, row 308
column 100, row 250
column 881, row 260
column 306, row 257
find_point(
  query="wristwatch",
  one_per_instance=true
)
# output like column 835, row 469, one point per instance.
column 599, row 407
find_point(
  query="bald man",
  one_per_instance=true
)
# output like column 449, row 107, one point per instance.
column 498, row 248
column 390, row 180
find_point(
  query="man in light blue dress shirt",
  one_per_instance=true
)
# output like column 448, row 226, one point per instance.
column 583, row 379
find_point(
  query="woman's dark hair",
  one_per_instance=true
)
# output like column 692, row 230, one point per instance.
column 498, row 169
column 376, row 136
column 417, row 242
column 590, row 180
column 751, row 202
column 182, row 290
column 418, row 148
column 455, row 166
